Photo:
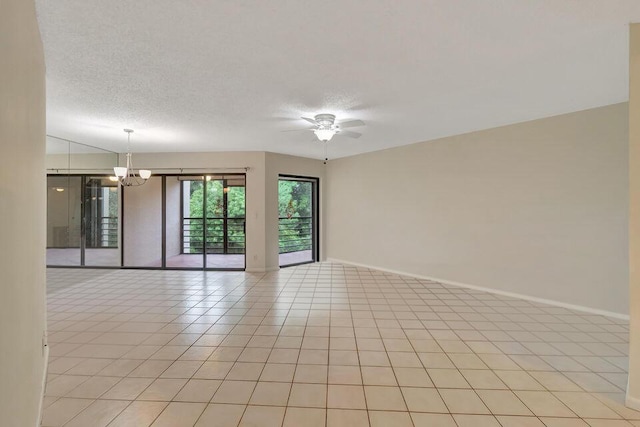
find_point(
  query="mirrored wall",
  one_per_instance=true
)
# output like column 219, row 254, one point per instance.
column 83, row 224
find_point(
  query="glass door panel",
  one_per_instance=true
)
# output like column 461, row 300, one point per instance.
column 142, row 224
column 101, row 222
column 296, row 222
column 64, row 206
column 190, row 203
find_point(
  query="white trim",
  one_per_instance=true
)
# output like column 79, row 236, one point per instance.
column 261, row 270
column 491, row 290
column 44, row 384
column 632, row 402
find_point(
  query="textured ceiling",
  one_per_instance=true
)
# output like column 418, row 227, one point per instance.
column 197, row 75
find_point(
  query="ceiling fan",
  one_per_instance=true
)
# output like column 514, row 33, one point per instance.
column 325, row 127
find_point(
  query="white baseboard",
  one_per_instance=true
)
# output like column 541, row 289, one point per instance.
column 44, row 384
column 632, row 402
column 262, row 270
column 589, row 310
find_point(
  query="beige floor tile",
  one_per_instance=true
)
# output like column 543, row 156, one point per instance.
column 373, row 358
column 238, row 392
column 270, row 393
column 284, row 355
column 554, row 381
column 463, row 401
column 423, row 400
column 483, row 379
column 63, row 384
column 99, row 413
column 311, row 374
column 93, row 388
column 215, row 370
column 198, row 391
column 347, row 418
column 607, row 423
column 313, row 357
column 221, row 415
column 308, row 395
column 447, row 378
column 262, row 416
column 378, row 375
column 563, row 422
column 308, row 417
column 349, row 375
column 412, row 377
column 279, row 372
column 345, row 397
column 436, row 361
column 544, row 404
column 62, row 410
column 384, row 398
column 139, row 414
column 343, row 357
column 181, row 369
column 476, row 420
column 179, row 414
column 432, row 420
column 518, row 421
column 585, row 405
column 519, row 380
column 245, row 371
column 390, row 419
column 150, row 369
column 162, row 389
column 128, row 388
column 503, row 402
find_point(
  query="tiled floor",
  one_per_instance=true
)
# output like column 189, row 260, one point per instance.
column 322, row 345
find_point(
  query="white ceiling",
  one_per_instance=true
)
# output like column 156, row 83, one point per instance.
column 231, row 75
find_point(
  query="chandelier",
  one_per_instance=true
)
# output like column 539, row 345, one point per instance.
column 126, row 175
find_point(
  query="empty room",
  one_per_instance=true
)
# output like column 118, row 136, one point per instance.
column 324, row 214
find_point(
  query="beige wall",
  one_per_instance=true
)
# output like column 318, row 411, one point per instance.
column 22, row 214
column 633, row 392
column 537, row 208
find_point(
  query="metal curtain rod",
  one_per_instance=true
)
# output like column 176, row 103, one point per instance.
column 203, row 170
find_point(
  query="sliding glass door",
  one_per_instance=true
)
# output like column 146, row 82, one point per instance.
column 205, row 224
column 172, row 221
column 297, row 223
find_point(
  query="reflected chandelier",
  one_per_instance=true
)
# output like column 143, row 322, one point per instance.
column 126, row 175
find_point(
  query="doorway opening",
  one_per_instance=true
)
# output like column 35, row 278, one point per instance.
column 298, row 220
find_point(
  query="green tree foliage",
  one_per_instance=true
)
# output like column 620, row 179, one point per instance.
column 215, row 217
column 295, row 210
column 294, row 205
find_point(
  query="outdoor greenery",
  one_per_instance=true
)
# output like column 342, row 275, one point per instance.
column 215, row 217
column 294, row 206
column 295, row 211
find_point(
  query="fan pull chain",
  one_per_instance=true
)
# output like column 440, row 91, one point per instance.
column 325, row 153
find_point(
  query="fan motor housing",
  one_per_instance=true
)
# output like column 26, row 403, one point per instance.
column 325, row 120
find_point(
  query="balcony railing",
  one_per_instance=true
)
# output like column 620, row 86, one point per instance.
column 103, row 232
column 223, row 235
column 296, row 234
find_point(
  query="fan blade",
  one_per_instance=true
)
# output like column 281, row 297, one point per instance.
column 297, row 130
column 312, row 121
column 351, row 124
column 349, row 134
